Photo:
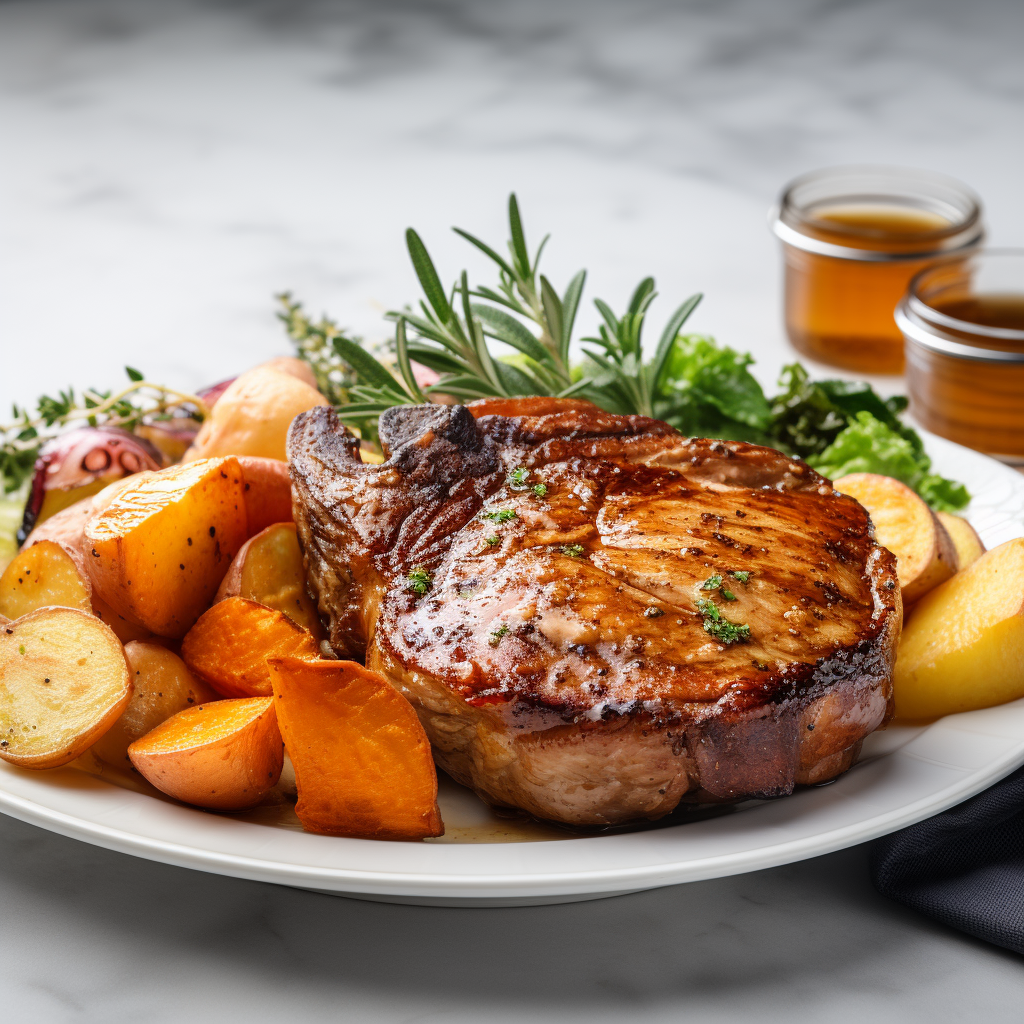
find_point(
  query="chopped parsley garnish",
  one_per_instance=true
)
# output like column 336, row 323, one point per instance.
column 503, row 515
column 712, row 582
column 494, row 540
column 518, row 478
column 495, row 638
column 742, row 575
column 572, row 550
column 721, row 629
column 540, row 490
column 419, row 581
column 728, row 595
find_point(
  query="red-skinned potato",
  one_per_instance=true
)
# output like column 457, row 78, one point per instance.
column 225, row 756
column 269, row 570
column 159, row 550
column 162, row 686
column 63, row 682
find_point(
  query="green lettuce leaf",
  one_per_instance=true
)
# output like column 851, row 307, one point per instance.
column 868, row 445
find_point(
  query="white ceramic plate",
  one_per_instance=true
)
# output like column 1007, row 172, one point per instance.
column 904, row 776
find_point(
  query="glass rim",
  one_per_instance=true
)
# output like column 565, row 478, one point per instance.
column 923, row 325
column 788, row 215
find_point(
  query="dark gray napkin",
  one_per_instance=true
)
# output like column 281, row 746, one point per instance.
column 964, row 867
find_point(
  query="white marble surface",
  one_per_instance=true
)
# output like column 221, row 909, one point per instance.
column 168, row 166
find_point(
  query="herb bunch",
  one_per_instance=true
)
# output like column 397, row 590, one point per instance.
column 22, row 439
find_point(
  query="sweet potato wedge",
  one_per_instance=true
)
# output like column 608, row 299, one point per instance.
column 968, row 545
column 162, row 686
column 363, row 766
column 42, row 575
column 228, row 647
column 963, row 644
column 253, row 415
column 269, row 571
column 159, row 550
column 925, row 555
column 268, row 492
column 63, row 682
column 225, row 755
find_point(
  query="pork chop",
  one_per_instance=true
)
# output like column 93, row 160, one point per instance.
column 593, row 615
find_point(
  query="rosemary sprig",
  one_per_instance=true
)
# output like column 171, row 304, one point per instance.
column 22, row 440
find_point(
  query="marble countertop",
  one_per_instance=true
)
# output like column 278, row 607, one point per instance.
column 169, row 166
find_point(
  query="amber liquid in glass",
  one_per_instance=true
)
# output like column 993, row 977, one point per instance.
column 975, row 403
column 840, row 311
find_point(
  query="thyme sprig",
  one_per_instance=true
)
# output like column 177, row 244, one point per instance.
column 22, row 439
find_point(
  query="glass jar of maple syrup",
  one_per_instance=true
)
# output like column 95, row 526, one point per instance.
column 853, row 237
column 963, row 321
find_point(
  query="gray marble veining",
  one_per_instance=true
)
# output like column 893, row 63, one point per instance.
column 168, row 166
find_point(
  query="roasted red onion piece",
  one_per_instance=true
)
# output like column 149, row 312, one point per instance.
column 80, row 463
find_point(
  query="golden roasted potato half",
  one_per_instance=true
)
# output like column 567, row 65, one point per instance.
column 969, row 547
column 963, row 644
column 253, row 415
column 43, row 575
column 925, row 555
column 157, row 553
column 224, row 756
column 162, row 686
column 269, row 571
column 63, row 682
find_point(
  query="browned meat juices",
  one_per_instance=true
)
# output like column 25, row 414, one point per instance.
column 594, row 616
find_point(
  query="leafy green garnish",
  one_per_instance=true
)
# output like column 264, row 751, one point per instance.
column 493, row 540
column 540, row 490
column 728, row 595
column 721, row 628
column 517, row 481
column 740, row 574
column 712, row 582
column 495, row 637
column 419, row 581
column 502, row 515
column 572, row 550
column 870, row 446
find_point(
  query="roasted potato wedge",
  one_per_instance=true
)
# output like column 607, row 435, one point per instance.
column 966, row 541
column 162, row 686
column 269, row 571
column 362, row 761
column 268, row 492
column 963, row 644
column 43, row 575
column 63, row 682
column 228, row 647
column 225, row 755
column 253, row 415
column 157, row 553
column 925, row 555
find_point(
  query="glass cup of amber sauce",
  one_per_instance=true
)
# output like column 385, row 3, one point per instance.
column 853, row 237
column 963, row 321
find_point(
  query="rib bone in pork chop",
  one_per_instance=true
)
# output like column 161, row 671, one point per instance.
column 593, row 615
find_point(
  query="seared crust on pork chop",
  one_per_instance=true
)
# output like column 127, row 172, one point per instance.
column 572, row 635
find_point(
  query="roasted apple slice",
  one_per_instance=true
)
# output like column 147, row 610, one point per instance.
column 225, row 755
column 963, row 644
column 362, row 761
column 63, row 682
column 269, row 571
column 925, row 555
column 157, row 553
column 229, row 645
column 969, row 547
column 162, row 686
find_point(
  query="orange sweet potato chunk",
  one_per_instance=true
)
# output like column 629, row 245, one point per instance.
column 228, row 647
column 362, row 761
column 225, row 755
column 268, row 492
column 157, row 553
